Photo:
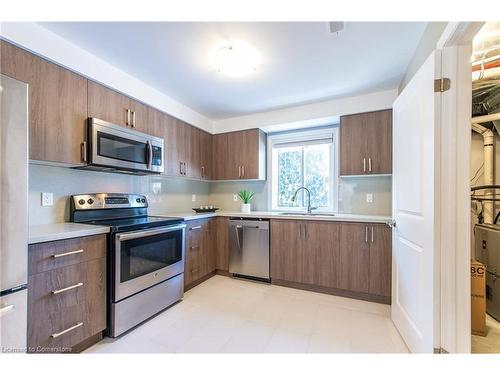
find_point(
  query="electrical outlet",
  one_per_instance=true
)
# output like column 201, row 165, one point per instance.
column 193, row 198
column 47, row 199
column 235, row 198
column 369, row 198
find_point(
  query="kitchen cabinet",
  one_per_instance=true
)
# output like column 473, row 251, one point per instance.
column 240, row 155
column 222, row 244
column 365, row 258
column 206, row 155
column 200, row 251
column 366, row 143
column 66, row 293
column 57, row 105
column 305, row 252
column 109, row 105
column 352, row 259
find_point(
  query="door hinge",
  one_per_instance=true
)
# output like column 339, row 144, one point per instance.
column 442, row 84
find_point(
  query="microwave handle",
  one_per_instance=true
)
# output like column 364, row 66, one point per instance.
column 148, row 233
column 149, row 150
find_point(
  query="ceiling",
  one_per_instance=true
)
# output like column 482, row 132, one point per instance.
column 302, row 62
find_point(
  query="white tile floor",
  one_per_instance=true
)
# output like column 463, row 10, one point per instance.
column 225, row 315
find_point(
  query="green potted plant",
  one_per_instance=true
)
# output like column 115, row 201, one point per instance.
column 245, row 197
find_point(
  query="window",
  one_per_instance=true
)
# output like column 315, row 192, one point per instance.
column 308, row 159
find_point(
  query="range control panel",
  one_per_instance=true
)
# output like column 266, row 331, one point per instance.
column 108, row 200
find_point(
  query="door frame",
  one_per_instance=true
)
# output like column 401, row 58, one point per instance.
column 454, row 177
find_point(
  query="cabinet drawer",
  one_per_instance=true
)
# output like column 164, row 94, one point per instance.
column 68, row 302
column 47, row 256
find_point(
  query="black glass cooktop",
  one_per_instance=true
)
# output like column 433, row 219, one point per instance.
column 135, row 223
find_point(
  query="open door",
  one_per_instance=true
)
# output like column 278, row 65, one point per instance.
column 415, row 297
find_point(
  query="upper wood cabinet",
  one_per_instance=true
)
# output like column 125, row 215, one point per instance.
column 240, row 155
column 366, row 143
column 57, row 105
column 112, row 106
column 365, row 257
column 206, row 155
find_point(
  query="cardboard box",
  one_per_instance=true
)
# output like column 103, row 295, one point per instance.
column 478, row 298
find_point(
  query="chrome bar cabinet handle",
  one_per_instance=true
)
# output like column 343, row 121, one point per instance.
column 372, row 233
column 68, row 253
column 366, row 233
column 128, row 118
column 196, row 227
column 54, row 335
column 364, row 165
column 67, row 288
column 369, row 164
column 133, row 119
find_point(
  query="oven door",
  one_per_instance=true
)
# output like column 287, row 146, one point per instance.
column 117, row 147
column 145, row 258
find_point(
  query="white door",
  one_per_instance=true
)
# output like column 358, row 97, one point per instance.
column 415, row 166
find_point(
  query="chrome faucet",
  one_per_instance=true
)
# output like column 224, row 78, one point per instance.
column 309, row 208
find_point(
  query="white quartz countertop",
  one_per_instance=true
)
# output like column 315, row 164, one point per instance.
column 62, row 231
column 276, row 215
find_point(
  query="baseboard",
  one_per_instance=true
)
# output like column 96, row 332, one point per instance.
column 87, row 343
column 223, row 273
column 334, row 291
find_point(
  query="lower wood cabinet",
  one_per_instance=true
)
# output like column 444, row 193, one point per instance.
column 66, row 293
column 222, row 244
column 200, row 251
column 352, row 259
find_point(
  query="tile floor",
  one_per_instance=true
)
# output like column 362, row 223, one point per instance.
column 224, row 315
column 491, row 342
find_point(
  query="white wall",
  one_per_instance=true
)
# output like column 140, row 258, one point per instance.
column 309, row 115
column 46, row 44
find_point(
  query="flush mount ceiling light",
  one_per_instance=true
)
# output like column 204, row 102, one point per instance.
column 235, row 58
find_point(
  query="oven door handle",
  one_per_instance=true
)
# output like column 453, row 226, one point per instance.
column 147, row 233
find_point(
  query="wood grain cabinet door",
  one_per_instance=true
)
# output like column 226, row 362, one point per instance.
column 352, row 145
column 57, row 105
column 222, row 243
column 206, row 155
column 378, row 134
column 194, row 248
column 235, row 155
column 220, row 157
column 354, row 257
column 193, row 159
column 286, row 252
column 380, row 260
column 109, row 105
column 321, row 254
column 249, row 154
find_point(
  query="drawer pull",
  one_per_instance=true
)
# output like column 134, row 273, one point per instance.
column 68, row 288
column 196, row 227
column 195, row 247
column 4, row 309
column 54, row 335
column 195, row 269
column 68, row 253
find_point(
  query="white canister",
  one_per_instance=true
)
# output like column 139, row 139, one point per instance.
column 245, row 208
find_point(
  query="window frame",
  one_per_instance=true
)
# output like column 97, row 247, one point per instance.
column 298, row 136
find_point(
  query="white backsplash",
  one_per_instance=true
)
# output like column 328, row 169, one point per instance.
column 164, row 194
column 174, row 194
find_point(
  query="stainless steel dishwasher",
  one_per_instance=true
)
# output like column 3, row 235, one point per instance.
column 249, row 248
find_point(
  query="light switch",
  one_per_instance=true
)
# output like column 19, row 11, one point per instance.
column 193, row 198
column 47, row 199
column 369, row 198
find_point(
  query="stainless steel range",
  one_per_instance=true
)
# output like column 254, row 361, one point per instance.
column 145, row 256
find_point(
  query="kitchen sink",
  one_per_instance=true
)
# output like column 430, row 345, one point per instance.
column 304, row 214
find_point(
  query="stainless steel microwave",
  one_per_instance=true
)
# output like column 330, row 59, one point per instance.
column 113, row 148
